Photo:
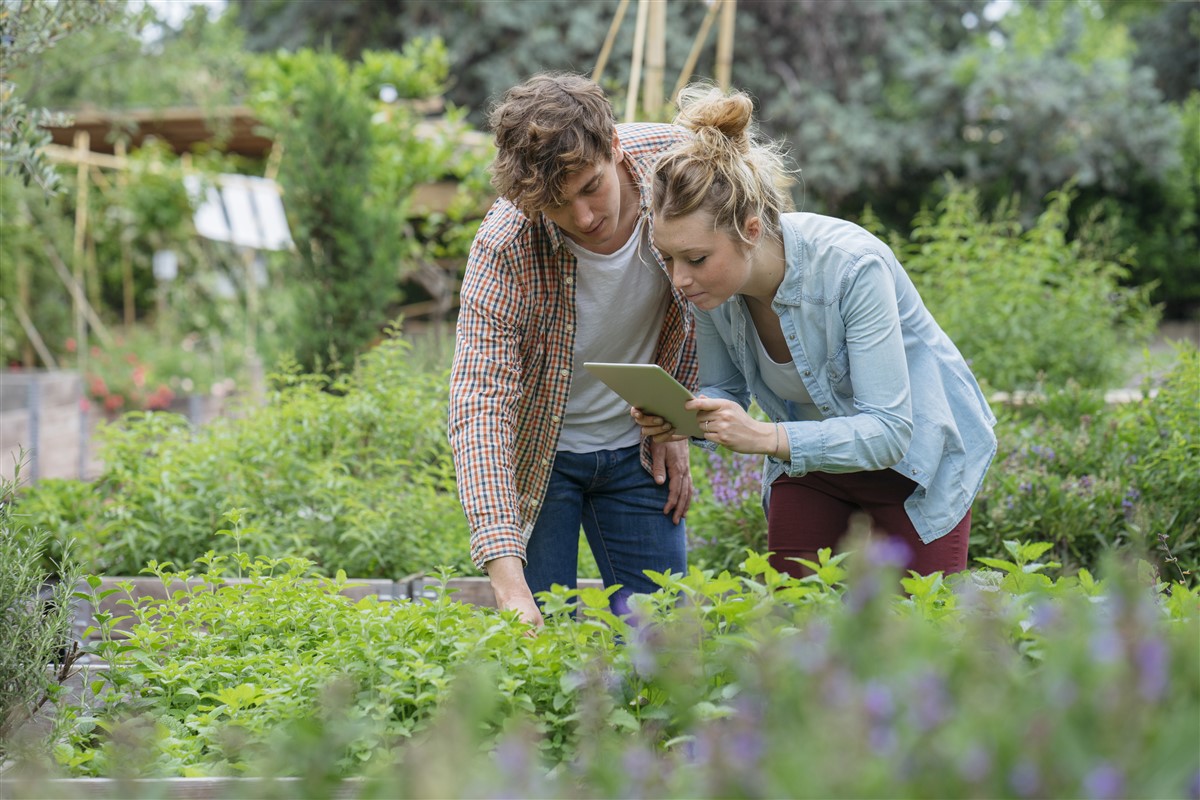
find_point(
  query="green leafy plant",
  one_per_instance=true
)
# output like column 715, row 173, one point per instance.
column 975, row 685
column 37, row 644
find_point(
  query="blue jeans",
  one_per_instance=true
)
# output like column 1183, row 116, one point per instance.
column 621, row 510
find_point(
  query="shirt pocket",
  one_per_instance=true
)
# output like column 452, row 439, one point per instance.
column 839, row 373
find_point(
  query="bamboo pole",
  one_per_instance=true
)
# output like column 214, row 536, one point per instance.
column 23, row 303
column 724, row 71
column 656, row 59
column 32, row 335
column 77, row 295
column 82, row 145
column 635, row 69
column 606, row 50
column 689, row 66
column 126, row 258
column 69, row 155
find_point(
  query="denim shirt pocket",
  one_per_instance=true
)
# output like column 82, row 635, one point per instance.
column 838, row 365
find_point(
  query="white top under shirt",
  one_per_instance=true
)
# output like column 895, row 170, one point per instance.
column 780, row 377
column 621, row 301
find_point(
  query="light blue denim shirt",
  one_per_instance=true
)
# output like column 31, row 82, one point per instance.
column 889, row 388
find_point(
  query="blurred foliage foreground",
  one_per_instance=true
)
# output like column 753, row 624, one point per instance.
column 1009, row 682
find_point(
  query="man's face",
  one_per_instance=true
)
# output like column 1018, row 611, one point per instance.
column 591, row 211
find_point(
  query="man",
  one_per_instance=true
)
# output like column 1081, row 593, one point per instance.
column 562, row 272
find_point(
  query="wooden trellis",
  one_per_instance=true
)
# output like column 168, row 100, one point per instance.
column 649, row 47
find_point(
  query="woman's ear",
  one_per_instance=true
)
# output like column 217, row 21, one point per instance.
column 753, row 229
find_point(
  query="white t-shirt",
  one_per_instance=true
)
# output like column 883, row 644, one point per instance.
column 621, row 301
column 782, row 377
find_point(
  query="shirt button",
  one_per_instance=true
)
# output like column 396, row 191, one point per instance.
column 555, row 418
column 564, row 372
column 808, row 373
column 791, row 337
column 824, row 408
column 545, row 462
column 570, row 280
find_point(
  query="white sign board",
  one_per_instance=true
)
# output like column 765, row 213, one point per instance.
column 240, row 209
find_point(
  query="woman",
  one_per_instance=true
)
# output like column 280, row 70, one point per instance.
column 871, row 405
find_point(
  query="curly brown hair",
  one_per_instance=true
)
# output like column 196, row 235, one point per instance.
column 546, row 129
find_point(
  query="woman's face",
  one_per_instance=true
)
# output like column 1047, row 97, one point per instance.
column 707, row 265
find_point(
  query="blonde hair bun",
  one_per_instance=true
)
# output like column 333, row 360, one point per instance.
column 711, row 115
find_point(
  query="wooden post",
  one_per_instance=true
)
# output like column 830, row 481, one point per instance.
column 656, row 59
column 635, row 69
column 126, row 257
column 602, row 61
column 22, row 304
column 725, row 45
column 689, row 66
column 82, row 148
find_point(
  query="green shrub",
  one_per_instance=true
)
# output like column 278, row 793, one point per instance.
column 1092, row 479
column 354, row 474
column 1027, row 308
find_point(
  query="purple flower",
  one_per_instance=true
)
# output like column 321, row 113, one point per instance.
column 638, row 766
column 1150, row 655
column 1105, row 645
column 810, row 651
column 975, row 764
column 1085, row 482
column 887, row 552
column 1026, row 487
column 877, row 700
column 1046, row 453
column 1130, row 500
column 1044, row 614
column 930, row 709
column 1024, row 779
column 1105, row 782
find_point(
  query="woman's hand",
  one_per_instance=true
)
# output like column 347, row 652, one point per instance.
column 726, row 423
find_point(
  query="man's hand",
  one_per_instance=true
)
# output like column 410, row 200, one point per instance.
column 669, row 460
column 512, row 592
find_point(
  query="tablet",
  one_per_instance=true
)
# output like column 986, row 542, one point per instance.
column 653, row 390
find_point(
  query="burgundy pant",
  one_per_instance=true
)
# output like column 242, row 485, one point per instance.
column 813, row 511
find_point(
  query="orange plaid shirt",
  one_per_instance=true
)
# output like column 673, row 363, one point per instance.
column 512, row 359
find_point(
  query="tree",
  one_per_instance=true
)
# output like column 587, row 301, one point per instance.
column 28, row 28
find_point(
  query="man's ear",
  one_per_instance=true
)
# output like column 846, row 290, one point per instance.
column 616, row 148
